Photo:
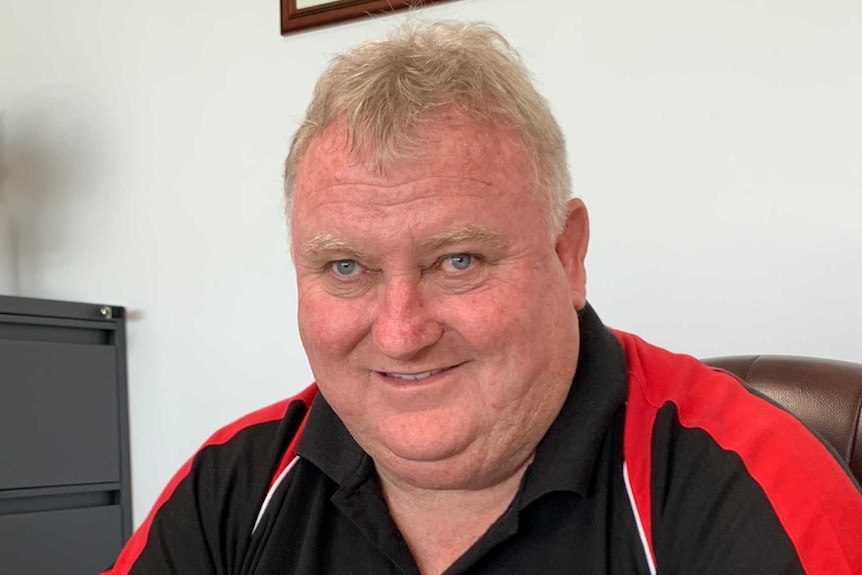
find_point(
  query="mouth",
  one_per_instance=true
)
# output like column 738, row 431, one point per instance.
column 414, row 376
column 418, row 376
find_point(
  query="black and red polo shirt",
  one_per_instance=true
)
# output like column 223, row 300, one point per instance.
column 656, row 463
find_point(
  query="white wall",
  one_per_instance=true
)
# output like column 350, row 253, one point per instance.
column 717, row 143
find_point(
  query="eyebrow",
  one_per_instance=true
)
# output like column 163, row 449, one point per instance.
column 462, row 234
column 325, row 244
column 321, row 244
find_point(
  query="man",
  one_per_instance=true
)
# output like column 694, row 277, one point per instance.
column 473, row 414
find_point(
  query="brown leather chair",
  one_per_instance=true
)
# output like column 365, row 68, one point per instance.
column 826, row 395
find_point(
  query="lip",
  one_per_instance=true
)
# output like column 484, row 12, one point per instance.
column 416, row 377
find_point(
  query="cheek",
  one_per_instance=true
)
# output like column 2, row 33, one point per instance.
column 513, row 327
column 514, row 305
column 329, row 327
column 491, row 324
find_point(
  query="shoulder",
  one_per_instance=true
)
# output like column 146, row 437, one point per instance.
column 718, row 403
column 695, row 434
column 249, row 450
column 290, row 412
column 242, row 454
column 216, row 494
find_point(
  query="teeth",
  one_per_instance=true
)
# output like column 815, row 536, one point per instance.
column 414, row 376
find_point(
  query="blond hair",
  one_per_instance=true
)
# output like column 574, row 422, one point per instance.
column 384, row 89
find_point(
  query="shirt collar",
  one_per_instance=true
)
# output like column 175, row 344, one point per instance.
column 327, row 444
column 565, row 456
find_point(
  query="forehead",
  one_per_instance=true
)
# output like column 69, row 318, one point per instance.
column 446, row 146
column 461, row 176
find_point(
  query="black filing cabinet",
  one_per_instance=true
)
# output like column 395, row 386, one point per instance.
column 65, row 502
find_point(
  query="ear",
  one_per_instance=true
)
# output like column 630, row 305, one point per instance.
column 572, row 250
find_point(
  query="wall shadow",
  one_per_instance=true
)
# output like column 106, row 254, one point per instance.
column 51, row 162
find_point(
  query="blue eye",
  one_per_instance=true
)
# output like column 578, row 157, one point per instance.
column 460, row 262
column 344, row 267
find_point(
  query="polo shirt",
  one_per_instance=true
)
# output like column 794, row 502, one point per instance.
column 634, row 476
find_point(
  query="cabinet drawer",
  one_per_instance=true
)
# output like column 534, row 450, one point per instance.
column 68, row 542
column 59, row 414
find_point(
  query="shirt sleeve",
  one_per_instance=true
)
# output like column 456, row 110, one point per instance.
column 203, row 521
column 709, row 516
column 179, row 536
column 724, row 481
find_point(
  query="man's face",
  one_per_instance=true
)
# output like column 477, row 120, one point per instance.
column 437, row 313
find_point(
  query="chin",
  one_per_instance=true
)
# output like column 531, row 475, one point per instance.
column 419, row 438
column 423, row 444
column 441, row 474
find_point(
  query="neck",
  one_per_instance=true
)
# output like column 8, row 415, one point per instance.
column 441, row 525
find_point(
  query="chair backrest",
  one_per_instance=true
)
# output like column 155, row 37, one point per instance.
column 826, row 395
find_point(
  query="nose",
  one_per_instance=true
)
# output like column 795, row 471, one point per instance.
column 405, row 325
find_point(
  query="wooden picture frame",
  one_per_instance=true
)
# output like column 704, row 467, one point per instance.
column 302, row 14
